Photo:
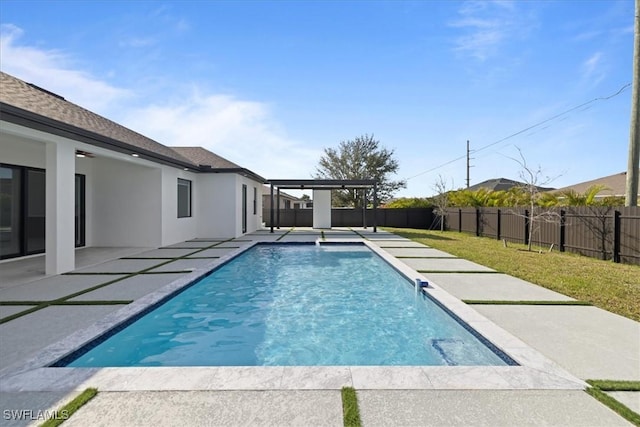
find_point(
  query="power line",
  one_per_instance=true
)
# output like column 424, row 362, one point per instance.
column 584, row 104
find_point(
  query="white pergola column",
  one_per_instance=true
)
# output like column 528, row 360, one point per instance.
column 321, row 208
column 60, row 209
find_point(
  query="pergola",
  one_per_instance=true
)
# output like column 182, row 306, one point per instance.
column 323, row 184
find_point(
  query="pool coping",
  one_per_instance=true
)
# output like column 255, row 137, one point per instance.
column 535, row 371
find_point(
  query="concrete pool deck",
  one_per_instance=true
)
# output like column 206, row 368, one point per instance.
column 576, row 343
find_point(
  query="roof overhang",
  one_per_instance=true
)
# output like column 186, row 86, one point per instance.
column 35, row 121
column 28, row 119
column 240, row 171
column 322, row 184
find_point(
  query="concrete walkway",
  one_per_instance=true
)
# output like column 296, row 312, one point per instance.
column 553, row 344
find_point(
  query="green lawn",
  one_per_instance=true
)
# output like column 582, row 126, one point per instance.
column 613, row 287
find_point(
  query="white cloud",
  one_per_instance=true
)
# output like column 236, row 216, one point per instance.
column 593, row 69
column 241, row 131
column 52, row 70
column 486, row 26
column 244, row 132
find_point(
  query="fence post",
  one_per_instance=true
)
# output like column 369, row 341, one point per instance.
column 526, row 226
column 562, row 229
column 459, row 220
column 477, row 222
column 498, row 225
column 445, row 218
column 616, row 236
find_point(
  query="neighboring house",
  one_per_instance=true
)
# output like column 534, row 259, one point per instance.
column 71, row 178
column 502, row 184
column 615, row 185
column 287, row 201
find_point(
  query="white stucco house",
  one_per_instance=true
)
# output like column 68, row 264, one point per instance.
column 71, row 178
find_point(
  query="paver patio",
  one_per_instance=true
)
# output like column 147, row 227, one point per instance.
column 586, row 341
column 589, row 342
column 489, row 287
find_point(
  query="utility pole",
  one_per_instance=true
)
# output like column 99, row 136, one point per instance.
column 631, row 195
column 468, row 159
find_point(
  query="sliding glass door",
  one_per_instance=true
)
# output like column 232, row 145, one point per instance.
column 10, row 212
column 35, row 211
column 23, row 208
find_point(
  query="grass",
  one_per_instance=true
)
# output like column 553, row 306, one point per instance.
column 70, row 408
column 614, row 385
column 598, row 388
column 610, row 286
column 523, row 302
column 350, row 410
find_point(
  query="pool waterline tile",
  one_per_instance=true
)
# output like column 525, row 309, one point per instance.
column 359, row 351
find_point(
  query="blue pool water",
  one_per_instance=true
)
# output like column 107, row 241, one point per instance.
column 296, row 305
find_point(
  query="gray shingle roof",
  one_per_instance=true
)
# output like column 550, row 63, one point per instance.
column 615, row 185
column 202, row 156
column 30, row 98
column 502, row 184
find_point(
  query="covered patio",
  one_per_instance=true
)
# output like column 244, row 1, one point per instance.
column 321, row 198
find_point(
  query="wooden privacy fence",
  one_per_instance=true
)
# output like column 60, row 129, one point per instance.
column 421, row 218
column 607, row 233
column 600, row 232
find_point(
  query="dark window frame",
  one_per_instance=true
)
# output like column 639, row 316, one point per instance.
column 255, row 200
column 244, row 208
column 26, row 209
column 81, row 217
column 189, row 185
column 23, row 171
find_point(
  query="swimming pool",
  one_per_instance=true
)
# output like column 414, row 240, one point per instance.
column 295, row 305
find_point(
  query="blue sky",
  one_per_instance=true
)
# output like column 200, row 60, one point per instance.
column 269, row 84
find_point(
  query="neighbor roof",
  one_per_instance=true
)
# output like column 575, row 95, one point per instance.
column 502, row 184
column 615, row 185
column 267, row 190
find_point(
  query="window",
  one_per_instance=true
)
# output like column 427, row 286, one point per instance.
column 80, row 210
column 244, row 208
column 184, row 198
column 255, row 200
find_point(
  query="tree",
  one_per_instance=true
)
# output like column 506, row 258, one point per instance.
column 409, row 202
column 533, row 180
column 598, row 213
column 441, row 199
column 360, row 158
